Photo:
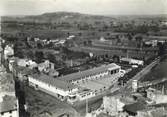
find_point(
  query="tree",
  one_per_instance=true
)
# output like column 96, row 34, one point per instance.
column 161, row 49
column 89, row 42
column 85, row 43
column 51, row 58
column 116, row 59
column 30, row 55
column 19, row 54
column 139, row 40
column 39, row 56
column 39, row 45
column 129, row 36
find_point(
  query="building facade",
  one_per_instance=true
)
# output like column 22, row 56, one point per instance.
column 52, row 86
column 92, row 74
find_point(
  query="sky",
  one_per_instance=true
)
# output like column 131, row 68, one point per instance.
column 97, row 7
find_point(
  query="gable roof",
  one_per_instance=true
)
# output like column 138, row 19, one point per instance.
column 79, row 75
column 53, row 81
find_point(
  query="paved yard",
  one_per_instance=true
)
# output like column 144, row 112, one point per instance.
column 98, row 84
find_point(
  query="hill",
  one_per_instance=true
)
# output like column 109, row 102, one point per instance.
column 57, row 17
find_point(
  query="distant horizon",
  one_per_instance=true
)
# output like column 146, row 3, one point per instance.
column 93, row 7
column 106, row 15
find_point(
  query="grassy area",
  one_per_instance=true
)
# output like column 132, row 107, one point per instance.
column 158, row 72
column 40, row 104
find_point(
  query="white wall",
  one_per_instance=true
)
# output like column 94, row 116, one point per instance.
column 98, row 75
column 86, row 96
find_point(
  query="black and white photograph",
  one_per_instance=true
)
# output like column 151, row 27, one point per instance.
column 83, row 58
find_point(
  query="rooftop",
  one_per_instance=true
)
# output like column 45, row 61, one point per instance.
column 23, row 70
column 129, row 59
column 158, row 37
column 79, row 75
column 7, row 83
column 9, row 103
column 45, row 78
column 54, row 82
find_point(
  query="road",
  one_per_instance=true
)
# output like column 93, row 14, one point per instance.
column 143, row 72
column 126, row 89
column 137, row 77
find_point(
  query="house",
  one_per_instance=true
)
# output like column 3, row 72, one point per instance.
column 45, row 66
column 26, row 63
column 132, row 61
column 153, row 43
column 102, row 39
column 36, row 39
column 156, row 96
column 70, row 37
column 8, row 51
column 8, row 102
column 112, row 105
column 22, row 72
column 153, row 112
column 21, row 63
column 53, row 73
column 62, row 41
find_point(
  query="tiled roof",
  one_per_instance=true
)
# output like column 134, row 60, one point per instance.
column 54, row 82
column 79, row 75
